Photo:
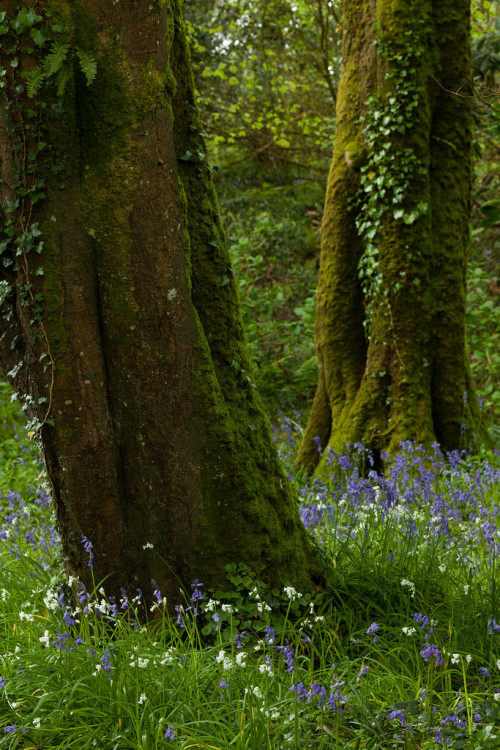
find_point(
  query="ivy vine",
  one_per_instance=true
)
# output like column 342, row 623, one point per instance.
column 37, row 51
column 388, row 170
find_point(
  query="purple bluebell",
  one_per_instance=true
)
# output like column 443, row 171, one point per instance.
column 431, row 651
column 239, row 637
column 372, row 630
column 170, row 733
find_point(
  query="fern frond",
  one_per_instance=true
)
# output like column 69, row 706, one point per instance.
column 88, row 64
column 63, row 77
column 34, row 81
column 55, row 59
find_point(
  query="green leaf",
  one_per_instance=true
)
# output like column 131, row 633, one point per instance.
column 63, row 77
column 34, row 81
column 491, row 211
column 188, row 156
column 55, row 59
column 39, row 36
column 88, row 64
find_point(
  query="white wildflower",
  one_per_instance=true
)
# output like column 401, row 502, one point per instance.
column 50, row 599
column 455, row 658
column 266, row 669
column 263, row 607
column 140, row 662
column 468, row 658
column 225, row 660
column 409, row 631
column 148, row 545
column 291, row 593
column 408, row 584
column 37, row 722
column 240, row 659
column 25, row 616
column 212, row 605
column 143, row 698
column 255, row 690
column 466, row 589
column 168, row 657
column 4, row 595
column 227, row 608
column 272, row 714
column 45, row 639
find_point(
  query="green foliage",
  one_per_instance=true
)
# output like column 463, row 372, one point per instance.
column 483, row 324
column 390, row 170
column 24, row 70
column 56, row 59
column 256, row 669
column 274, row 246
column 267, row 74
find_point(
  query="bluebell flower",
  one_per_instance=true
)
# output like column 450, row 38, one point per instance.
column 239, row 637
column 431, row 651
column 87, row 545
column 398, row 714
column 364, row 670
column 170, row 733
column 372, row 630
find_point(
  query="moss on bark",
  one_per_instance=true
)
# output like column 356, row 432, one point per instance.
column 158, row 436
column 402, row 376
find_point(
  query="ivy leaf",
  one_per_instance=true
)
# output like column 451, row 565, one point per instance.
column 39, row 36
column 188, row 156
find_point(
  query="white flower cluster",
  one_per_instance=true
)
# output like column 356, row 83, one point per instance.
column 169, row 657
column 409, row 631
column 225, row 660
column 139, row 662
column 50, row 599
column 255, row 690
column 408, row 584
column 291, row 593
column 45, row 639
column 266, row 669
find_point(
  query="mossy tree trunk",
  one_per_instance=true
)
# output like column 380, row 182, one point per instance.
column 390, row 331
column 155, row 434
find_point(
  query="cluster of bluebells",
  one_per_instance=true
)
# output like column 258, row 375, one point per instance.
column 406, row 499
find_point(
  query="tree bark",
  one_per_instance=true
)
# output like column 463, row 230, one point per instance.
column 390, row 331
column 154, row 434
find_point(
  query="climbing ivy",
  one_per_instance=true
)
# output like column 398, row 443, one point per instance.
column 388, row 168
column 36, row 51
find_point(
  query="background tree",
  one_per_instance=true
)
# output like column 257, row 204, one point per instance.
column 267, row 74
column 121, row 330
column 390, row 330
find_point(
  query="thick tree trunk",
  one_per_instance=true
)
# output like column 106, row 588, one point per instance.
column 155, row 433
column 390, row 331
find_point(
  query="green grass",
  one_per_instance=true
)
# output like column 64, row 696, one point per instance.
column 312, row 672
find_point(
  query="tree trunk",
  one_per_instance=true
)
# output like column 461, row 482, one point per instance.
column 152, row 431
column 390, row 331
